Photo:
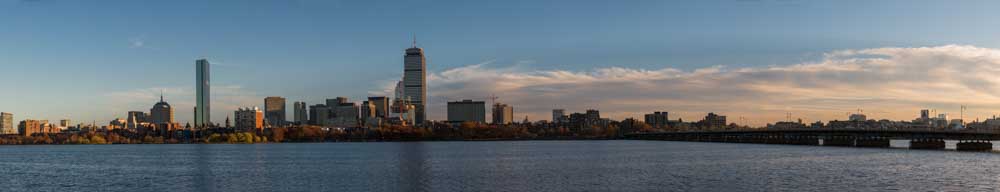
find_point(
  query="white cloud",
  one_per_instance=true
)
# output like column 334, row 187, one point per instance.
column 889, row 82
column 137, row 42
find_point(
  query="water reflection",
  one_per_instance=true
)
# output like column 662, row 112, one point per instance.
column 492, row 166
column 413, row 167
column 203, row 170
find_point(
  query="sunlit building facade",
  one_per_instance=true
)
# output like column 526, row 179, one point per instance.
column 415, row 81
column 202, row 111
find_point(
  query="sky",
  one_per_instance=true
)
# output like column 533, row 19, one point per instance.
column 754, row 61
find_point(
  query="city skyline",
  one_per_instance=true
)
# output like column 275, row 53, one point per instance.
column 892, row 74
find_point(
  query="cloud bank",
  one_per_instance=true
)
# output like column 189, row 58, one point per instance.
column 886, row 83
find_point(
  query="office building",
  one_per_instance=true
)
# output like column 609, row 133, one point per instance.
column 249, row 119
column 467, row 111
column 367, row 110
column 274, row 111
column 301, row 115
column 132, row 123
column 503, row 113
column 558, row 115
column 318, row 114
column 415, row 80
column 343, row 113
column 402, row 112
column 65, row 123
column 203, row 108
column 713, row 120
column 138, row 115
column 593, row 114
column 161, row 113
column 657, row 119
column 29, row 127
column 7, row 123
column 381, row 106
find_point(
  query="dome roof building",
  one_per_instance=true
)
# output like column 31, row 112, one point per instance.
column 161, row 112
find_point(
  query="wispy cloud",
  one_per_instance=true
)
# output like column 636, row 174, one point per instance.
column 137, row 42
column 891, row 82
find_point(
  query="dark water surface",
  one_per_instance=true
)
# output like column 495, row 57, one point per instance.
column 492, row 166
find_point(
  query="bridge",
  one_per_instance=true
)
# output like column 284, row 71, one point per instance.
column 919, row 139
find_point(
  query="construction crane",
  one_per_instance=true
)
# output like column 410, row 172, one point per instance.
column 493, row 98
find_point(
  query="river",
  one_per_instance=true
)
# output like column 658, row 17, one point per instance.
column 618, row 165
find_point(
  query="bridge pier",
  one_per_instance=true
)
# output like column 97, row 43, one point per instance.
column 842, row 141
column 802, row 140
column 927, row 144
column 974, row 145
column 919, row 139
column 878, row 142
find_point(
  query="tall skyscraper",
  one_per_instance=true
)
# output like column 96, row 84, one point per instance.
column 203, row 109
column 503, row 113
column 161, row 112
column 301, row 115
column 415, row 80
column 7, row 123
column 274, row 111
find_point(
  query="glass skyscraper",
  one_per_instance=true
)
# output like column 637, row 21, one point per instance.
column 415, row 81
column 202, row 109
column 274, row 111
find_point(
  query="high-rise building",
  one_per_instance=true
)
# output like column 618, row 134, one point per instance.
column 319, row 114
column 249, row 118
column 381, row 106
column 503, row 113
column 593, row 114
column 558, row 115
column 274, row 111
column 138, row 115
column 7, row 123
column 301, row 115
column 342, row 113
column 132, row 123
column 367, row 110
column 415, row 80
column 925, row 114
column 203, row 109
column 657, row 119
column 161, row 112
column 467, row 110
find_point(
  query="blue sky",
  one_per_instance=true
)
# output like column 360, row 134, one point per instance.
column 94, row 60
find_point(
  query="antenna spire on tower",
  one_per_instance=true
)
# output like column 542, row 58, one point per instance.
column 161, row 95
column 414, row 40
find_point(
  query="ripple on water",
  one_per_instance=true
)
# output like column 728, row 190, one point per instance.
column 492, row 166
